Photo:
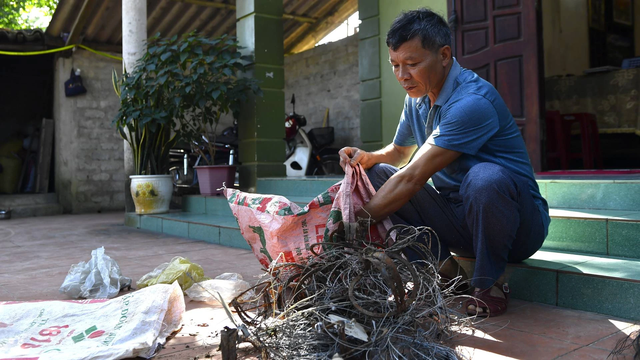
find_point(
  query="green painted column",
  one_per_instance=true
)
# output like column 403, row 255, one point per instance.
column 261, row 123
column 369, row 73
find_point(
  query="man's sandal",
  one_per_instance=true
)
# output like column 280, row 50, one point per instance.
column 490, row 305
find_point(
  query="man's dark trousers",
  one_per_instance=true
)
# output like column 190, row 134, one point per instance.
column 496, row 222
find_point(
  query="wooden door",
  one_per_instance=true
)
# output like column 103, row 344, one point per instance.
column 500, row 40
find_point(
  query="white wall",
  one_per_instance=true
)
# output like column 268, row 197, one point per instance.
column 89, row 165
column 327, row 77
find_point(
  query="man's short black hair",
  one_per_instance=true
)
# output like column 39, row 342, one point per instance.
column 432, row 29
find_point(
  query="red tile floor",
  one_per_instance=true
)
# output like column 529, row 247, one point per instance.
column 36, row 253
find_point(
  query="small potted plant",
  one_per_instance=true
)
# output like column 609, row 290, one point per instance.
column 179, row 90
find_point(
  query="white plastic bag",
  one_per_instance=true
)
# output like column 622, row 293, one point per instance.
column 228, row 285
column 135, row 324
column 100, row 278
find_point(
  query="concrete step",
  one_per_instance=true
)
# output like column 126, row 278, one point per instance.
column 597, row 232
column 16, row 200
column 214, row 229
column 602, row 284
column 36, row 210
column 571, row 192
column 27, row 205
column 605, row 285
column 211, row 205
column 305, row 186
column 218, row 205
column 594, row 193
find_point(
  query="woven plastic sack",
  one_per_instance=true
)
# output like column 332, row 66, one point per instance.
column 178, row 269
column 100, row 278
column 277, row 228
column 135, row 324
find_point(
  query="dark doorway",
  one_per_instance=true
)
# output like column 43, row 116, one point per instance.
column 26, row 98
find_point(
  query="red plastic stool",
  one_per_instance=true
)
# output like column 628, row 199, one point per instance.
column 559, row 138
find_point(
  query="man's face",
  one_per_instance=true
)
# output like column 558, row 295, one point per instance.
column 417, row 69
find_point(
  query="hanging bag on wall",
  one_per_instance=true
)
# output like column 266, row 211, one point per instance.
column 73, row 86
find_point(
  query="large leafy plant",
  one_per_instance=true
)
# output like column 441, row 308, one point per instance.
column 180, row 89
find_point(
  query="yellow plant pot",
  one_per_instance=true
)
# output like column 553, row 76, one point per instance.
column 151, row 193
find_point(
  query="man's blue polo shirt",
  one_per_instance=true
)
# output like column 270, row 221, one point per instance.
column 470, row 117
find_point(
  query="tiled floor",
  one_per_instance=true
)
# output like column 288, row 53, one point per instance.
column 36, row 254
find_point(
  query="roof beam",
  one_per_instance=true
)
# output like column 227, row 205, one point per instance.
column 81, row 20
column 209, row 4
column 300, row 18
column 312, row 34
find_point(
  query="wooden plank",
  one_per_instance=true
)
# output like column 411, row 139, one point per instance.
column 44, row 156
column 228, row 341
column 78, row 26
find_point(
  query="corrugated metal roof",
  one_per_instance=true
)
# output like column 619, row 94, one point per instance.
column 305, row 21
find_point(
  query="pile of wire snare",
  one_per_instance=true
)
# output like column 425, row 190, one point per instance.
column 355, row 299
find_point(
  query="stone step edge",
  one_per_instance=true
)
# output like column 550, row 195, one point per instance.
column 567, row 260
column 165, row 217
column 25, row 211
column 229, row 218
column 20, row 200
column 556, row 213
column 542, row 178
column 594, row 214
column 557, row 261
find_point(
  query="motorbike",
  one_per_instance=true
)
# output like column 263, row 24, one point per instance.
column 308, row 153
column 185, row 157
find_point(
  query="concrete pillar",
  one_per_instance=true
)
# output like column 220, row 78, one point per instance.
column 369, row 73
column 261, row 122
column 134, row 36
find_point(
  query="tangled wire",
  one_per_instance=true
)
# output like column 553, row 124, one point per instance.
column 631, row 342
column 356, row 299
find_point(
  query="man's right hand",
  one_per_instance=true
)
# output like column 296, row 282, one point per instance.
column 353, row 156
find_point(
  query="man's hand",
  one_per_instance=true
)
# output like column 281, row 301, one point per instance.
column 353, row 156
column 391, row 154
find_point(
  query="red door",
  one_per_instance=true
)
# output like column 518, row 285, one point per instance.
column 499, row 40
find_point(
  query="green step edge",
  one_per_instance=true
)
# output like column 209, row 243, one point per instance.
column 597, row 232
column 213, row 229
column 560, row 193
column 604, row 285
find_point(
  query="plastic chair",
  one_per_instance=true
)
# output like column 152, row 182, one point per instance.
column 559, row 139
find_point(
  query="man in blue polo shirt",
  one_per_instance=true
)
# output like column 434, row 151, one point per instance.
column 455, row 129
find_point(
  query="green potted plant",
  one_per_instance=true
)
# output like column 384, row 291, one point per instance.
column 210, row 85
column 179, row 90
column 148, row 130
